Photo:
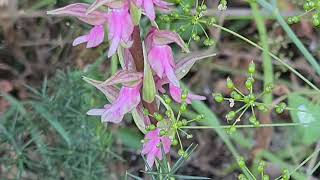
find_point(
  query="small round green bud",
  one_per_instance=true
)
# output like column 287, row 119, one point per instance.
column 256, row 124
column 262, row 107
column 230, row 84
column 175, row 142
column 252, row 119
column 285, row 175
column 268, row 88
column 295, row 19
column 189, row 136
column 183, row 107
column 167, row 99
column 241, row 162
column 316, row 22
column 252, row 97
column 179, row 124
column 158, row 116
column 246, row 99
column 146, row 112
column 184, row 95
column 200, row 116
column 181, row 152
column 261, row 166
column 184, row 122
column 230, row 115
column 235, row 95
column 265, row 177
column 168, row 113
column 232, row 129
column 289, row 20
column 163, row 132
column 218, row 98
column 152, row 127
column 242, row 177
column 211, row 21
column 252, row 68
column 248, row 84
column 203, row 7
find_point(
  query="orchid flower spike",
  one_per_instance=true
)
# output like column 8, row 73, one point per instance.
column 152, row 146
column 96, row 19
column 160, row 55
column 149, row 7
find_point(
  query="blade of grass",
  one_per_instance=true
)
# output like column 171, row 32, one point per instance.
column 274, row 10
column 267, row 61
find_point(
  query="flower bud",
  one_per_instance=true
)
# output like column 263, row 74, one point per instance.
column 252, row 119
column 218, row 98
column 152, row 127
column 162, row 132
column 183, row 107
column 265, row 177
column 252, row 68
column 268, row 88
column 158, row 116
column 230, row 84
column 262, row 107
column 181, row 152
column 184, row 122
column 230, row 115
column 174, row 142
column 241, row 162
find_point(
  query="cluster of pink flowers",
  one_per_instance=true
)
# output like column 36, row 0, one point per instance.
column 116, row 16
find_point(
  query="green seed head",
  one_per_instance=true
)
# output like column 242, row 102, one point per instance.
column 230, row 84
column 218, row 98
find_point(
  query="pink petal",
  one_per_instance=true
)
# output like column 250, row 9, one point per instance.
column 96, row 112
column 96, row 36
column 112, row 115
column 79, row 10
column 114, row 45
column 171, row 75
column 80, row 40
column 149, row 8
column 155, row 58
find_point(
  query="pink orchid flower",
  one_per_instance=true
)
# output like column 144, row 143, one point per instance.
column 160, row 54
column 149, row 7
column 176, row 93
column 120, row 28
column 152, row 146
column 95, row 18
column 128, row 99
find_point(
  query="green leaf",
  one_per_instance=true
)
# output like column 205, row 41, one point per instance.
column 306, row 112
column 138, row 118
column 149, row 87
column 135, row 13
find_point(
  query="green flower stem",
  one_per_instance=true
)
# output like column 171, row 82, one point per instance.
column 249, row 126
column 274, row 10
column 267, row 61
column 271, row 54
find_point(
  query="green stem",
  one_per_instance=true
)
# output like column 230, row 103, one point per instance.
column 274, row 10
column 267, row 61
column 271, row 54
column 248, row 126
